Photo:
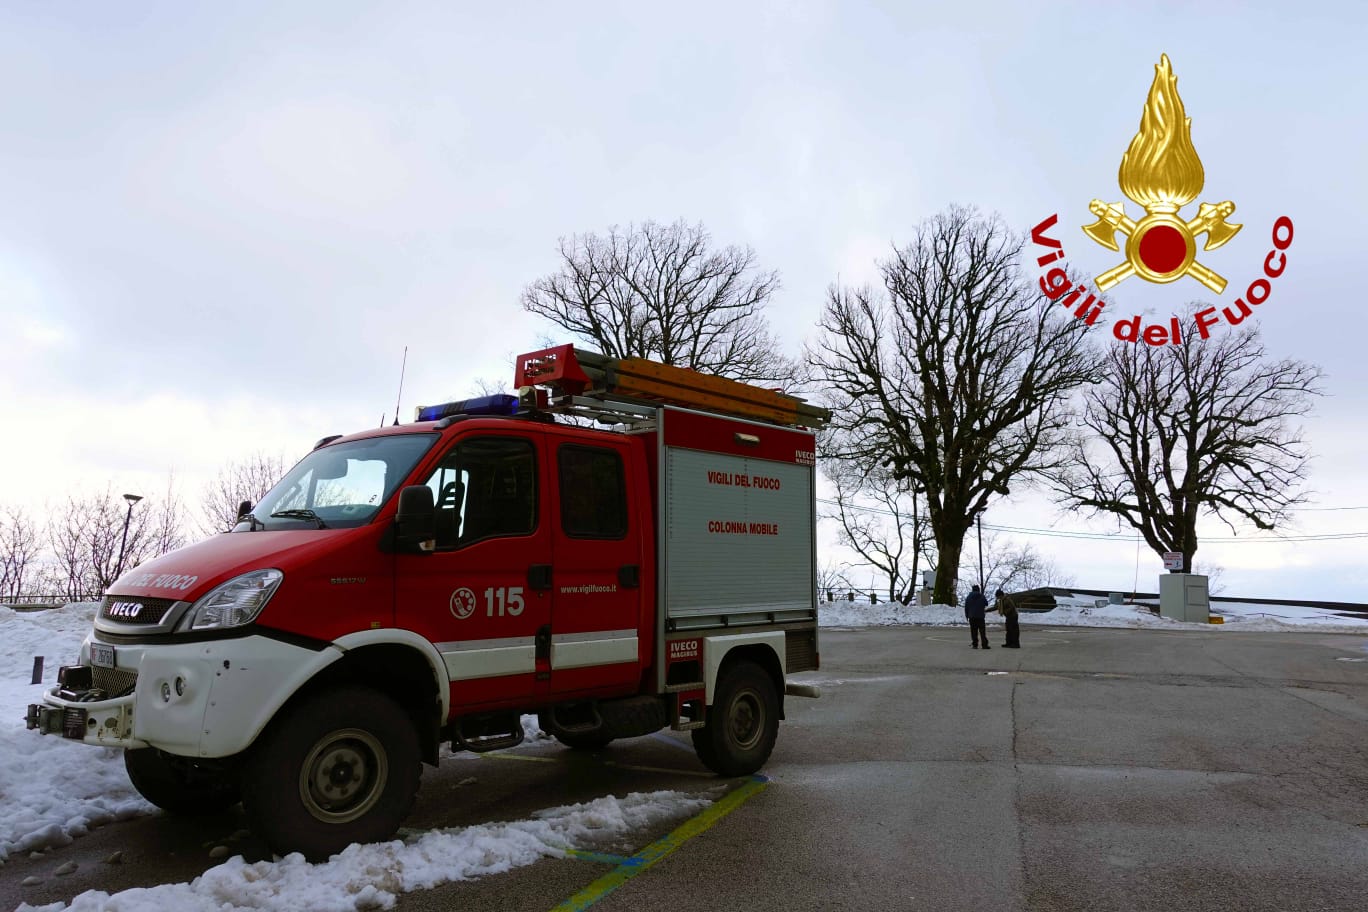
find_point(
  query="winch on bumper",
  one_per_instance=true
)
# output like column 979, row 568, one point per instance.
column 79, row 709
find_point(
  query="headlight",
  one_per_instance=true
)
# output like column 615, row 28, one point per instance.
column 235, row 602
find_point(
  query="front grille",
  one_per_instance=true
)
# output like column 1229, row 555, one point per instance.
column 134, row 609
column 115, row 682
column 800, row 650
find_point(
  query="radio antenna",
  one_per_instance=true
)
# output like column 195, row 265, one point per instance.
column 402, row 367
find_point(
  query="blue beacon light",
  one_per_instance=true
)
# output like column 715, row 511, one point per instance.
column 500, row 404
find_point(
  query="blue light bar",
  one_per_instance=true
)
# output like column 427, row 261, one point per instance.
column 500, row 404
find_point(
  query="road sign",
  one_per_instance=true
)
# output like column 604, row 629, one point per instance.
column 1173, row 560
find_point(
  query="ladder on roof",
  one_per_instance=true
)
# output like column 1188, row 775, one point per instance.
column 575, row 374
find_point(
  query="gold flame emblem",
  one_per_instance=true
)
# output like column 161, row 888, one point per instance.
column 1161, row 172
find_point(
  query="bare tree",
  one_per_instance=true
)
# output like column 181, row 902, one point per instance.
column 87, row 538
column 84, row 536
column 1204, row 426
column 20, row 546
column 658, row 291
column 878, row 518
column 831, row 578
column 1214, row 573
column 957, row 378
column 160, row 529
column 1012, row 567
column 247, row 479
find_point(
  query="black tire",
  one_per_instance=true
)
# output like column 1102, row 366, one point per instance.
column 581, row 741
column 178, row 785
column 336, row 768
column 743, row 722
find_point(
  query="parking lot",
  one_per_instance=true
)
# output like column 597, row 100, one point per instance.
column 1091, row 769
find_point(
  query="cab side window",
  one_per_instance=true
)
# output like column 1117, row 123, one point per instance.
column 486, row 487
column 593, row 492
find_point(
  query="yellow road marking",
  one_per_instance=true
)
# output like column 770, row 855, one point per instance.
column 663, row 846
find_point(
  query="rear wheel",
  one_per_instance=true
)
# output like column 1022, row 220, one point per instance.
column 178, row 785
column 743, row 722
column 336, row 768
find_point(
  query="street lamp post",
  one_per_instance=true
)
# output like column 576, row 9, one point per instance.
column 132, row 499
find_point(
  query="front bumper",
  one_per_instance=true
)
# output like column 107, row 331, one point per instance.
column 108, row 723
column 198, row 699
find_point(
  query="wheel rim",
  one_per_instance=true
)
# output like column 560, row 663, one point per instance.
column 746, row 719
column 343, row 775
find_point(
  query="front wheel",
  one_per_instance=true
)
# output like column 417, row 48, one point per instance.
column 336, row 768
column 742, row 724
column 180, row 786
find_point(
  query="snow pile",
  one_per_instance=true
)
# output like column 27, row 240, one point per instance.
column 52, row 789
column 886, row 614
column 370, row 876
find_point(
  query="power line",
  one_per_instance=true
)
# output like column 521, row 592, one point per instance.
column 1124, row 536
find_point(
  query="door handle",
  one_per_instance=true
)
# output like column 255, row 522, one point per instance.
column 629, row 576
column 542, row 652
column 539, row 576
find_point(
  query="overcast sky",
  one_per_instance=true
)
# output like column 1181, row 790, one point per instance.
column 220, row 224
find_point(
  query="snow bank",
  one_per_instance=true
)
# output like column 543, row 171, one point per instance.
column 364, row 877
column 53, row 790
column 1084, row 612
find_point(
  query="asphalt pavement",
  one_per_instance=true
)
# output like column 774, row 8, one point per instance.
column 1093, row 769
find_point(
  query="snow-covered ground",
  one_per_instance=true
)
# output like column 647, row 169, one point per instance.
column 54, row 791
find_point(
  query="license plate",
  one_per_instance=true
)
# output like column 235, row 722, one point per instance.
column 101, row 656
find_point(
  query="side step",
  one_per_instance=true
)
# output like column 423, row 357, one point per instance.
column 689, row 695
column 481, row 734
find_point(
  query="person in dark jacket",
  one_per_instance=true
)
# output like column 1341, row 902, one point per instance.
column 1008, row 609
column 975, row 607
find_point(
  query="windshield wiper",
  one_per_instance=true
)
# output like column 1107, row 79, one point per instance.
column 252, row 522
column 300, row 514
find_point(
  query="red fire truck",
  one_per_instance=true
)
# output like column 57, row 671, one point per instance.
column 620, row 547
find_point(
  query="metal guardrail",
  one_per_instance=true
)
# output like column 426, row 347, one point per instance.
column 35, row 602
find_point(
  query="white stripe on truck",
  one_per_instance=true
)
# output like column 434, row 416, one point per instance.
column 596, row 647
column 472, row 659
column 469, row 659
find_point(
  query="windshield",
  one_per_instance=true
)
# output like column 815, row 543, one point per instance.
column 339, row 486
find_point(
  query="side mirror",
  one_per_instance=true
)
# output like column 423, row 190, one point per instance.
column 244, row 508
column 415, row 525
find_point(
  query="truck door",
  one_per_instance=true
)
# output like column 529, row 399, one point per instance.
column 596, row 644
column 483, row 597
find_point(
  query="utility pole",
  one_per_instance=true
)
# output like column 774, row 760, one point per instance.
column 132, row 499
column 978, row 524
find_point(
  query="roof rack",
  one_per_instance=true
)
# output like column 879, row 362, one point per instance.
column 606, row 388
